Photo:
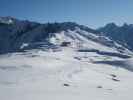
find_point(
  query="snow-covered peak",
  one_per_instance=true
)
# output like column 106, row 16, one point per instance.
column 7, row 20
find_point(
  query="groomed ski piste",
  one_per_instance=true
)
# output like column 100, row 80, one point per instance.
column 97, row 72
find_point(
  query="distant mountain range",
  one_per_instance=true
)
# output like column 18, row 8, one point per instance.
column 18, row 35
column 121, row 34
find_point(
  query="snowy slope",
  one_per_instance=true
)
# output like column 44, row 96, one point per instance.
column 63, row 75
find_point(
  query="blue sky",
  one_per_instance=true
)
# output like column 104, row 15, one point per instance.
column 94, row 13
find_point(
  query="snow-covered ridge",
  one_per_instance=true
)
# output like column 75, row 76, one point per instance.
column 81, row 39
